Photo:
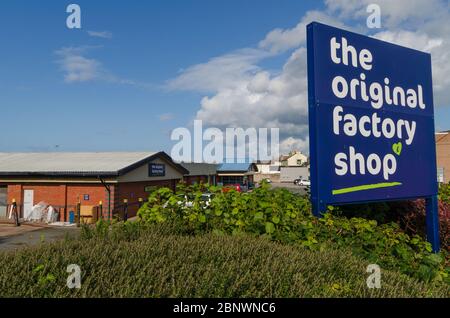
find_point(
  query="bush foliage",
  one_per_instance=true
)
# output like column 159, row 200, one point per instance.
column 139, row 260
column 286, row 217
column 410, row 215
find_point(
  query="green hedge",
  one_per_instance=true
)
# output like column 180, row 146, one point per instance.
column 135, row 260
column 286, row 217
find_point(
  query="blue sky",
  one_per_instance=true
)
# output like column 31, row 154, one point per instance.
column 148, row 66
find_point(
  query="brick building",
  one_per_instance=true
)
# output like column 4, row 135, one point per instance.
column 200, row 173
column 64, row 179
column 236, row 173
column 443, row 155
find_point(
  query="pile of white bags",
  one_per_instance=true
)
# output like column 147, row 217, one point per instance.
column 43, row 213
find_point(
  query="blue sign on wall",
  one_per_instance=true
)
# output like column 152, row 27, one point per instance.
column 156, row 170
column 370, row 119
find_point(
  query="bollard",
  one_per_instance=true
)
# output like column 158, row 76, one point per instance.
column 78, row 213
column 125, row 210
column 100, row 210
column 141, row 202
column 15, row 212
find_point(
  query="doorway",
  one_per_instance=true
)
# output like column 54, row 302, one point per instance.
column 28, row 202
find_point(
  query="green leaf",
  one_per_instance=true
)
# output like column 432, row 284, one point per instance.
column 259, row 216
column 270, row 228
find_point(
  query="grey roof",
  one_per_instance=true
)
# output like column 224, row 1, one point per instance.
column 200, row 169
column 237, row 167
column 75, row 163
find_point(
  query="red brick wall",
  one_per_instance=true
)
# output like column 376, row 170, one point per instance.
column 195, row 179
column 15, row 192
column 64, row 197
column 132, row 191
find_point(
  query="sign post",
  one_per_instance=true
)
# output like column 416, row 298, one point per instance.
column 371, row 122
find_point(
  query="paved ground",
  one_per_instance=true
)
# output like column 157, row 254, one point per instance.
column 290, row 186
column 12, row 237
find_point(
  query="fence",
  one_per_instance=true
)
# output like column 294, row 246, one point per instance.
column 82, row 213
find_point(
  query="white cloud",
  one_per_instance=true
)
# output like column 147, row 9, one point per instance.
column 77, row 67
column 279, row 40
column 224, row 72
column 244, row 94
column 100, row 34
column 405, row 13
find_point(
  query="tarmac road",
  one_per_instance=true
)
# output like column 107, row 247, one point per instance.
column 12, row 238
column 290, row 186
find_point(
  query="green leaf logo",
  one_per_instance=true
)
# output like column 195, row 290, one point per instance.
column 397, row 148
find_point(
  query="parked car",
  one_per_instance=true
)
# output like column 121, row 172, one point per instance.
column 207, row 197
column 297, row 180
column 304, row 183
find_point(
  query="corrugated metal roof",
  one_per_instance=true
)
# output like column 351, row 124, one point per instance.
column 69, row 162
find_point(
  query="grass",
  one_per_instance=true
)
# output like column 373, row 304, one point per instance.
column 159, row 262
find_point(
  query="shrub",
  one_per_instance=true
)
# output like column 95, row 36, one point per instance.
column 140, row 260
column 286, row 217
column 444, row 193
column 411, row 216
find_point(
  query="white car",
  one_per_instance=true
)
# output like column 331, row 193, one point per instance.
column 304, row 182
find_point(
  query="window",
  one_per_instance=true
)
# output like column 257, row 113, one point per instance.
column 232, row 180
column 3, row 201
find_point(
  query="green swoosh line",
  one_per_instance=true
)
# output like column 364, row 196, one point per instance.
column 366, row 187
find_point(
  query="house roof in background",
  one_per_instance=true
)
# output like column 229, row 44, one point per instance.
column 77, row 163
column 441, row 136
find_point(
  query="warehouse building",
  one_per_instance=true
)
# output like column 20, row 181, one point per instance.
column 200, row 173
column 236, row 173
column 64, row 179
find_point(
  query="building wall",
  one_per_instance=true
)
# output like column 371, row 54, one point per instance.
column 289, row 174
column 293, row 160
column 64, row 193
column 274, row 177
column 62, row 196
column 141, row 173
column 443, row 154
column 132, row 191
column 190, row 180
